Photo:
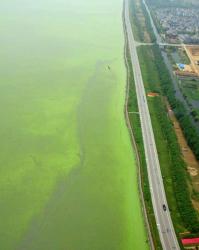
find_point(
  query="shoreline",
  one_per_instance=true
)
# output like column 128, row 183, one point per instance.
column 133, row 143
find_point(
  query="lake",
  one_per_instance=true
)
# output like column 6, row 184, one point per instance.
column 68, row 178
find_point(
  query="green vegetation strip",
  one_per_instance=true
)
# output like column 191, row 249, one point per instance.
column 156, row 78
column 136, row 128
column 142, row 29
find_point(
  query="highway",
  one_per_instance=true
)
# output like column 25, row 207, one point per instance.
column 162, row 216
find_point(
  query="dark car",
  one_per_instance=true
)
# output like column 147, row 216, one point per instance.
column 164, row 207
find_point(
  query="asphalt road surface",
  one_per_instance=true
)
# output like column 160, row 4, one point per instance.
column 161, row 211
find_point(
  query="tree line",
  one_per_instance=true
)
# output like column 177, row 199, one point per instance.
column 178, row 170
column 183, row 116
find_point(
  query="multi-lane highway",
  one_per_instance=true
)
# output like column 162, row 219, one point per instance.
column 161, row 211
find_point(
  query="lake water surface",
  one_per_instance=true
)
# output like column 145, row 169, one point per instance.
column 67, row 169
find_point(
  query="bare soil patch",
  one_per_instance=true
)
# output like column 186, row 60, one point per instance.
column 189, row 157
column 193, row 54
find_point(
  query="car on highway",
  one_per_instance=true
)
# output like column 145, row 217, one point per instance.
column 164, row 207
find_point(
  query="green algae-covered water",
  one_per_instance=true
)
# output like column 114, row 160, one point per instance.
column 67, row 170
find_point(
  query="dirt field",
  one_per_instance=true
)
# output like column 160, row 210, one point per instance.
column 193, row 54
column 189, row 158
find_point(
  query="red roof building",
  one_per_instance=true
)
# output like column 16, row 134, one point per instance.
column 152, row 94
column 192, row 241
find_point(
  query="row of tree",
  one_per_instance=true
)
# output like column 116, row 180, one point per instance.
column 189, row 130
column 178, row 170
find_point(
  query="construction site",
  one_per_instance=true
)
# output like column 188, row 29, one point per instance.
column 191, row 69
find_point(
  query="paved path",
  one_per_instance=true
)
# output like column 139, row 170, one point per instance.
column 163, row 219
column 166, row 44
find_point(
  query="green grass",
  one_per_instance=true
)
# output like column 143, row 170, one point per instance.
column 67, row 169
column 185, row 59
column 140, row 24
column 190, row 89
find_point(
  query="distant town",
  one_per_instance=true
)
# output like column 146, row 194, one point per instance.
column 178, row 24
